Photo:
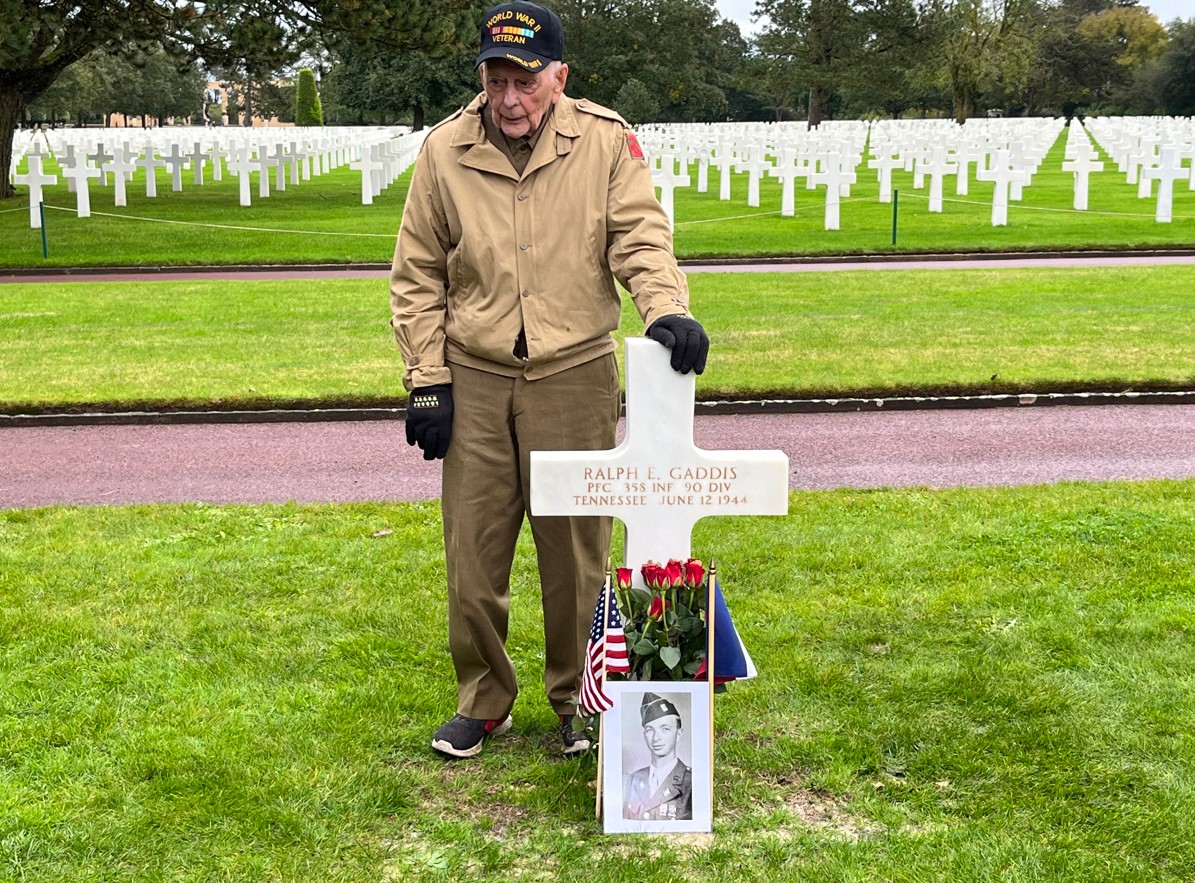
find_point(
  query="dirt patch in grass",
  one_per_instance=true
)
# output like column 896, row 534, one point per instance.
column 824, row 812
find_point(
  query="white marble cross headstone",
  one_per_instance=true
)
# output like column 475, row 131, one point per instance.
column 367, row 165
column 151, row 164
column 658, row 483
column 1002, row 173
column 122, row 167
column 755, row 169
column 667, row 180
column 197, row 156
column 1084, row 163
column 1168, row 170
column 80, row 172
column 241, row 164
column 836, row 172
column 35, row 179
column 175, row 159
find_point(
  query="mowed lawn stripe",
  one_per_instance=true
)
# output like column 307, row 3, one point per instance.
column 270, row 343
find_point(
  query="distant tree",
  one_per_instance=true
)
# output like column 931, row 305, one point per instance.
column 308, row 111
column 383, row 86
column 1175, row 82
column 1135, row 32
column 987, row 45
column 636, row 103
column 817, row 44
column 687, row 57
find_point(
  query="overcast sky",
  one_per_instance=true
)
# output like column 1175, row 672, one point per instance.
column 739, row 11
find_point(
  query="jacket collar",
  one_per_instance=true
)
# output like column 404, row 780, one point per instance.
column 556, row 141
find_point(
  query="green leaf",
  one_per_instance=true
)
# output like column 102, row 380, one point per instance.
column 645, row 647
column 670, row 656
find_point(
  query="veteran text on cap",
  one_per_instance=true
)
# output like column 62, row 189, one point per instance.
column 528, row 34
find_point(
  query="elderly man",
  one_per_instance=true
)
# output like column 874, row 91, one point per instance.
column 662, row 790
column 523, row 209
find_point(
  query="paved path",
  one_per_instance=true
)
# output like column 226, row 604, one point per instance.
column 822, row 266
column 370, row 460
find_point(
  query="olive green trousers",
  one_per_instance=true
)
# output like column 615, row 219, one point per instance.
column 497, row 422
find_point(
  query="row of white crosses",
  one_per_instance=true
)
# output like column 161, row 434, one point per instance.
column 1006, row 152
column 826, row 156
column 280, row 155
column 1148, row 149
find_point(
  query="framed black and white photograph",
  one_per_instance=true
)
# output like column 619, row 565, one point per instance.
column 656, row 753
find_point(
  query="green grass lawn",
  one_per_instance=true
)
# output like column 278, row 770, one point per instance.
column 262, row 344
column 981, row 684
column 342, row 230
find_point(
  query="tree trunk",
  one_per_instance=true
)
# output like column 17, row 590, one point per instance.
column 11, row 110
column 962, row 107
column 816, row 106
column 418, row 114
column 247, row 94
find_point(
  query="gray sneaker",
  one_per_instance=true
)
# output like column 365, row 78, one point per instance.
column 574, row 742
column 463, row 736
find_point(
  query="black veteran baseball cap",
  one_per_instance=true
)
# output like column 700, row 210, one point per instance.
column 654, row 707
column 528, row 34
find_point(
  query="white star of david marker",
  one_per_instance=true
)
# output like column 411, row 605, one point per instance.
column 658, row 483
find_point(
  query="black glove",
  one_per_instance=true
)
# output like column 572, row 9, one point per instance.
column 429, row 420
column 687, row 340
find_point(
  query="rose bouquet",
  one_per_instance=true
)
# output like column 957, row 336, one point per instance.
column 665, row 626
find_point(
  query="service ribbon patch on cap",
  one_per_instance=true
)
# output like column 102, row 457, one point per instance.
column 633, row 146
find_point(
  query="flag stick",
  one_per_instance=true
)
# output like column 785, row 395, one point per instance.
column 709, row 660
column 601, row 769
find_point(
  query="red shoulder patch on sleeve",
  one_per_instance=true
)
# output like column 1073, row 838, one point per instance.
column 633, row 145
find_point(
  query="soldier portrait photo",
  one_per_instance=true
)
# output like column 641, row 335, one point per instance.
column 660, row 788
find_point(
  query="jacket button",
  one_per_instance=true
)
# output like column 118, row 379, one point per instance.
column 524, row 246
column 522, row 196
column 526, row 292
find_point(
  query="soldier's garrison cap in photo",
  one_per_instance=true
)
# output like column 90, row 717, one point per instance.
column 654, row 707
column 528, row 34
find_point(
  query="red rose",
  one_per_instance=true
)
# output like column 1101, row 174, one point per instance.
column 657, row 608
column 674, row 574
column 694, row 573
column 653, row 575
column 624, row 577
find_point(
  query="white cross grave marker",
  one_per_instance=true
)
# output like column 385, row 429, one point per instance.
column 35, row 180
column 80, row 172
column 175, row 159
column 1002, row 173
column 198, row 157
column 1082, row 165
column 657, row 482
column 755, row 168
column 836, row 173
column 1168, row 170
column 151, row 164
column 122, row 167
column 101, row 159
column 367, row 165
column 668, row 180
column 241, row 165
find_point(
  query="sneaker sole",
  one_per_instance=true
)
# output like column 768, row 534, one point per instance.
column 450, row 750
column 578, row 747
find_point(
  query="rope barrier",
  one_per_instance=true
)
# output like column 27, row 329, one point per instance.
column 797, row 210
column 59, row 208
column 9, row 210
column 1039, row 208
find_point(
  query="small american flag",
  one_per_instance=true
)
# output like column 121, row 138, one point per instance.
column 606, row 651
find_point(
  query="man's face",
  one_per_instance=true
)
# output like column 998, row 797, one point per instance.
column 518, row 98
column 661, row 734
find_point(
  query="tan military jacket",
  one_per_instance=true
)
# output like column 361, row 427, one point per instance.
column 484, row 252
